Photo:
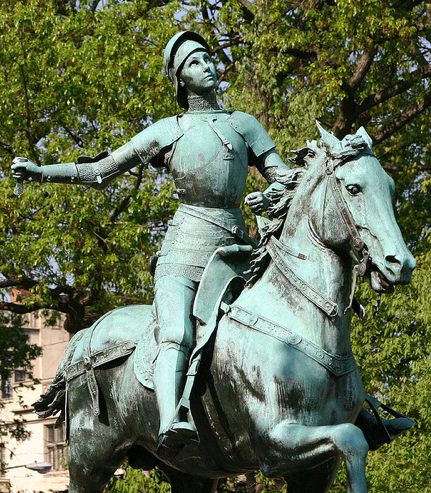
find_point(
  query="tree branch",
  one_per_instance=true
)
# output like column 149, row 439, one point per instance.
column 406, row 117
column 94, row 5
column 19, row 308
column 224, row 73
column 78, row 141
column 362, row 67
column 11, row 281
column 399, row 87
column 125, row 202
column 349, row 109
column 247, row 10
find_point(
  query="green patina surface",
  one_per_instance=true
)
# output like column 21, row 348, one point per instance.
column 281, row 391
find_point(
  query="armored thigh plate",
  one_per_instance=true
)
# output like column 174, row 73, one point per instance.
column 190, row 241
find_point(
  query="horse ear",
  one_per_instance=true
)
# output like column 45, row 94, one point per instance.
column 363, row 133
column 329, row 140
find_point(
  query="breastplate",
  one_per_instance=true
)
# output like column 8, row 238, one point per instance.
column 210, row 161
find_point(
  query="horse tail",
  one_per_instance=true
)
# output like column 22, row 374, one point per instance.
column 53, row 400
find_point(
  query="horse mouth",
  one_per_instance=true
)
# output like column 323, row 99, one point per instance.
column 379, row 282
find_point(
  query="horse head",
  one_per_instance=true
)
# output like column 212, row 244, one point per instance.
column 352, row 211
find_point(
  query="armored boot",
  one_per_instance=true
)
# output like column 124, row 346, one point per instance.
column 169, row 375
column 378, row 430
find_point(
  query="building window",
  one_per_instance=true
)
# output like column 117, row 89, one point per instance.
column 2, row 459
column 20, row 375
column 6, row 389
column 55, row 446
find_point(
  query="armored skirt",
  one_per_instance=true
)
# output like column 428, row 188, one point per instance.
column 193, row 235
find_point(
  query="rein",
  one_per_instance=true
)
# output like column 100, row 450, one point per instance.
column 275, row 249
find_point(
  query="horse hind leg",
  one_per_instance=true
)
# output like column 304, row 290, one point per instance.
column 186, row 483
column 94, row 453
column 316, row 480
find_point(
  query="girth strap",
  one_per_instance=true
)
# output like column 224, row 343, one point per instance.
column 336, row 364
column 275, row 249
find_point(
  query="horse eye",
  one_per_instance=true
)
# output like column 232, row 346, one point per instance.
column 353, row 189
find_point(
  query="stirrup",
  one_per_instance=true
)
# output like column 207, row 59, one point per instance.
column 179, row 434
column 387, row 429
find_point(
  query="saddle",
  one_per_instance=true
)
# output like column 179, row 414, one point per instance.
column 222, row 281
column 121, row 332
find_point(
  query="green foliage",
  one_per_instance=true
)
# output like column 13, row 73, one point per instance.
column 75, row 80
column 135, row 481
column 78, row 77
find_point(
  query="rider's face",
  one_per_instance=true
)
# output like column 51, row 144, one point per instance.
column 198, row 74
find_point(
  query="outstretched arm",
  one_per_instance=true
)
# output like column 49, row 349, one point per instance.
column 96, row 172
column 143, row 148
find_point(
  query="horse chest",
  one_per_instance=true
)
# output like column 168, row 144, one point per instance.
column 306, row 391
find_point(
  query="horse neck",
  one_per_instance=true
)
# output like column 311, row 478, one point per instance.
column 322, row 269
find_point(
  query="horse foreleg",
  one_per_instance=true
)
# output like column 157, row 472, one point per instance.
column 293, row 448
column 316, row 480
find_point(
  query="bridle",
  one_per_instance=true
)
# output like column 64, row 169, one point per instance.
column 358, row 246
column 276, row 249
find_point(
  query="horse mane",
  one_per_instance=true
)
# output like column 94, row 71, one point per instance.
column 281, row 197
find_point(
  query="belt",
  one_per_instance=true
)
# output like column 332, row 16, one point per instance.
column 235, row 230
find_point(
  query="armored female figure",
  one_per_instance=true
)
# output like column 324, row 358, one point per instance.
column 208, row 151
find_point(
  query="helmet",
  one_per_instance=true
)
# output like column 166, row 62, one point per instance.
column 178, row 49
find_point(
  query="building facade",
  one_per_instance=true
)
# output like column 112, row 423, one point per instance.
column 46, row 442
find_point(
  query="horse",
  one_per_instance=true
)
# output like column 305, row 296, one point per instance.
column 280, row 390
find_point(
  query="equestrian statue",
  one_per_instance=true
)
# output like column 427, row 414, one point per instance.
column 244, row 361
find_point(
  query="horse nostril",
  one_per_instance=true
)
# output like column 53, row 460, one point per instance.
column 393, row 265
column 391, row 259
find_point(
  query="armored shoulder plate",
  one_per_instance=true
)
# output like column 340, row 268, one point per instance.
column 252, row 132
column 156, row 137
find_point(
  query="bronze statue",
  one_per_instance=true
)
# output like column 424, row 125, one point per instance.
column 284, row 328
column 208, row 151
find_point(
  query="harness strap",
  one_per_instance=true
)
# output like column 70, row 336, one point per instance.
column 358, row 244
column 336, row 364
column 99, row 358
column 346, row 215
column 227, row 146
column 88, row 364
column 235, row 230
column 93, row 386
column 275, row 248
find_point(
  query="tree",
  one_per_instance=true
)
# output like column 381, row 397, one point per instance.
column 84, row 76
